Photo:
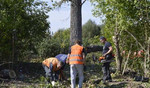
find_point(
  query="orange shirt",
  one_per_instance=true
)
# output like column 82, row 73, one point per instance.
column 52, row 60
column 76, row 55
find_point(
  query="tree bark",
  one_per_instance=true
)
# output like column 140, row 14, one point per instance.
column 118, row 56
column 116, row 41
column 76, row 21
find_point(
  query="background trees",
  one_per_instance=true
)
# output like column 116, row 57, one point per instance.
column 91, row 32
column 127, row 21
column 22, row 25
column 24, row 30
column 25, row 36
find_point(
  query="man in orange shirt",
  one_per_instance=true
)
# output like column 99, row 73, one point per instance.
column 52, row 68
column 76, row 59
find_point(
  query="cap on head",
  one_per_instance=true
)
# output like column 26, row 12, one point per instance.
column 102, row 38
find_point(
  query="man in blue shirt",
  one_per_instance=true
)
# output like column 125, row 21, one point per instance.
column 107, row 53
column 62, row 58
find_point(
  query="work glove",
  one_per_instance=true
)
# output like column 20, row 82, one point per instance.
column 53, row 83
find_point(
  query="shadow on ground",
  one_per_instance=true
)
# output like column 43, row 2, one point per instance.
column 119, row 85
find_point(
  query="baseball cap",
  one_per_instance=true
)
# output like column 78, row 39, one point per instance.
column 102, row 38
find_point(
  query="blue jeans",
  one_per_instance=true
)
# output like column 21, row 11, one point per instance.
column 74, row 69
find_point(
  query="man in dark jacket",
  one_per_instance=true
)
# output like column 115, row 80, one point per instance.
column 107, row 53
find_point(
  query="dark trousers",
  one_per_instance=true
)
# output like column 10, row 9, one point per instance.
column 106, row 72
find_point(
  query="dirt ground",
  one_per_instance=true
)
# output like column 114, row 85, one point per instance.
column 31, row 75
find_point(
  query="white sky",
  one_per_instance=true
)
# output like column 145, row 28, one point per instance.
column 60, row 17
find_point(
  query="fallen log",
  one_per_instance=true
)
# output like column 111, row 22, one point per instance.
column 93, row 48
column 7, row 74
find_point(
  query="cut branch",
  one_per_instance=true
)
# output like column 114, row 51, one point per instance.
column 5, row 63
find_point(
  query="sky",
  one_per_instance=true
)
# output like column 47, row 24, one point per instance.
column 60, row 18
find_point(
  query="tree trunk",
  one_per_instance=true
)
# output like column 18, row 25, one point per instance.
column 76, row 21
column 147, row 41
column 118, row 56
column 148, row 52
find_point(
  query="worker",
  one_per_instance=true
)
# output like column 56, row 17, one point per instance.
column 52, row 68
column 76, row 59
column 107, row 54
column 62, row 58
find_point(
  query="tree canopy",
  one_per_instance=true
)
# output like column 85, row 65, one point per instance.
column 22, row 23
column 127, row 22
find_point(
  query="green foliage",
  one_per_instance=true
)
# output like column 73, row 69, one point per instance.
column 58, row 43
column 91, row 33
column 22, row 25
column 63, row 39
column 128, row 14
column 48, row 47
column 122, row 16
column 90, row 29
column 137, row 65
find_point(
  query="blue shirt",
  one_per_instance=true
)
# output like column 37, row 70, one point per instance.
column 106, row 47
column 62, row 57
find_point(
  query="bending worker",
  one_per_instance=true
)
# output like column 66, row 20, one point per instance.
column 76, row 58
column 107, row 53
column 62, row 58
column 53, row 66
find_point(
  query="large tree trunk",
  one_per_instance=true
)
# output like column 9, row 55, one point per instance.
column 76, row 21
